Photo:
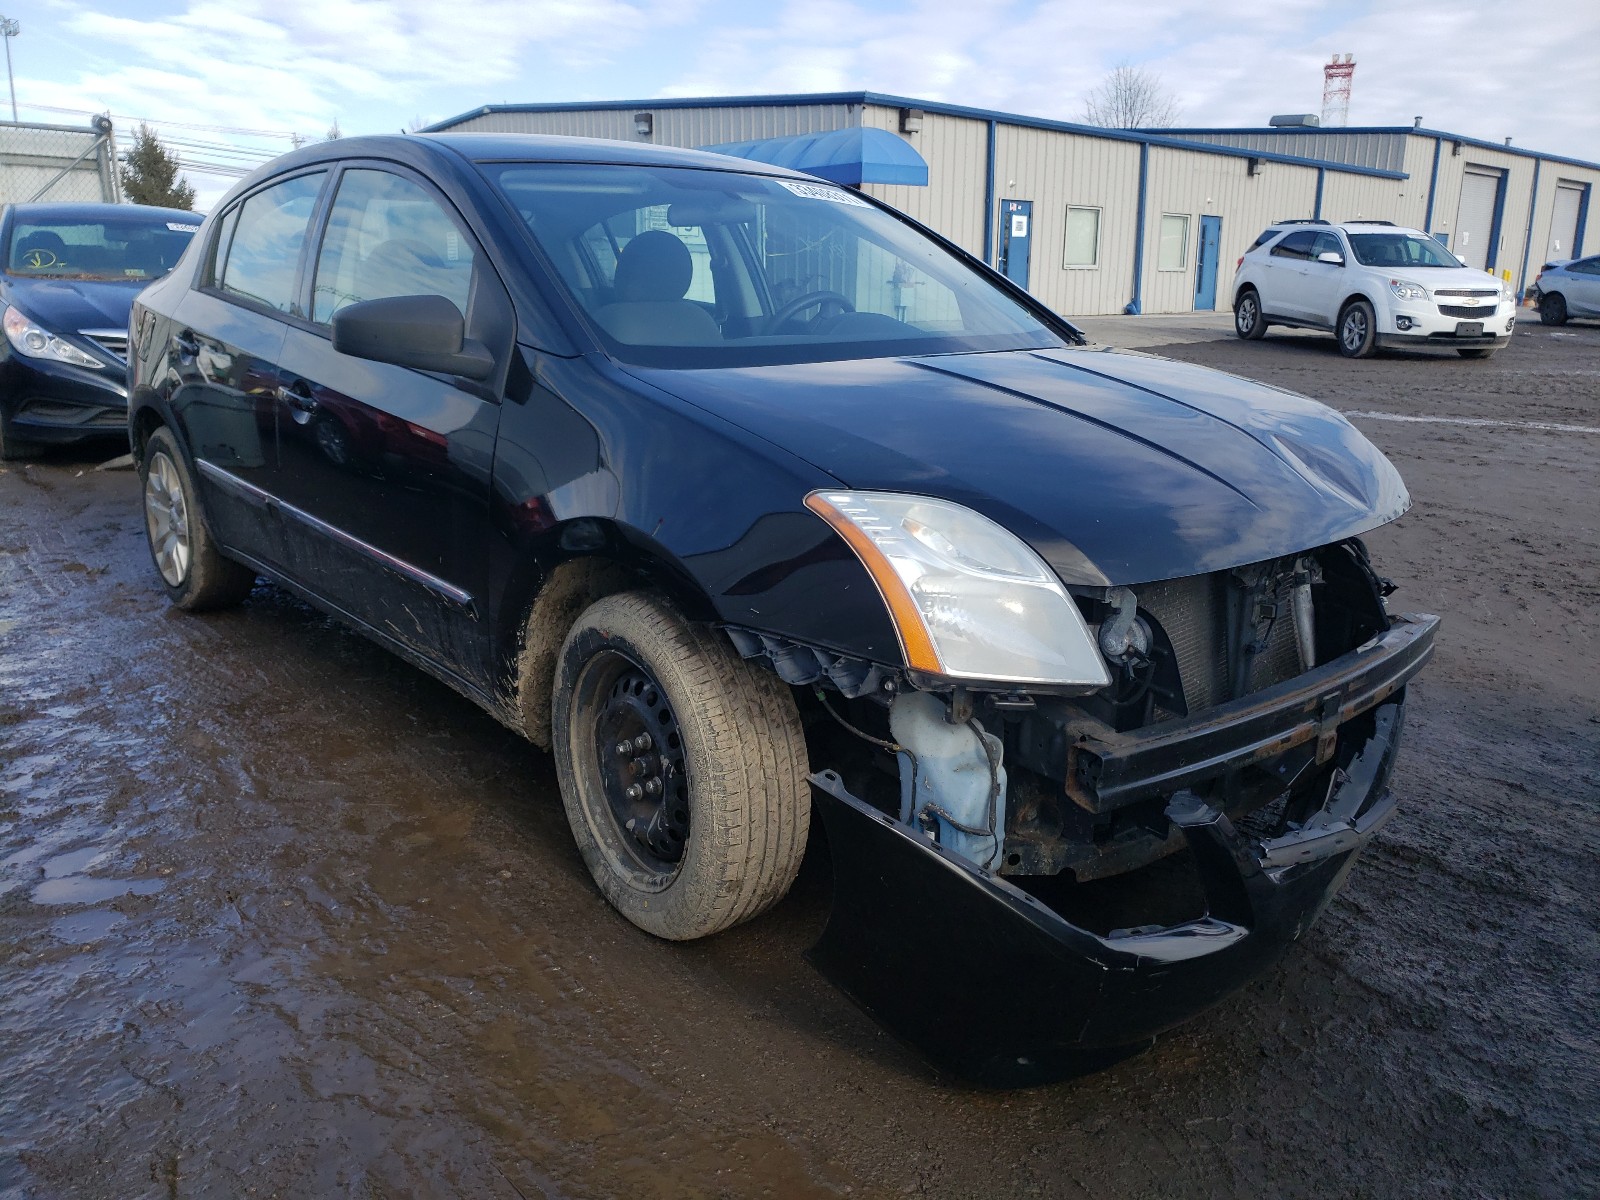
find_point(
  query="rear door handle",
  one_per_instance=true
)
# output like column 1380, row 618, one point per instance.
column 297, row 400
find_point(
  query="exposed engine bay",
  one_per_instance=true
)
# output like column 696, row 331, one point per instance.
column 1217, row 788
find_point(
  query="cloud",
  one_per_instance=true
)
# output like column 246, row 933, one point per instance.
column 375, row 65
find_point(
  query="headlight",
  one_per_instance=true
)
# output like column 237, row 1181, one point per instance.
column 1407, row 290
column 27, row 338
column 969, row 599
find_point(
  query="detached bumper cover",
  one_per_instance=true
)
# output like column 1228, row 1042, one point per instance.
column 992, row 986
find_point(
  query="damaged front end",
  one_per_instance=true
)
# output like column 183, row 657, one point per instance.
column 1031, row 882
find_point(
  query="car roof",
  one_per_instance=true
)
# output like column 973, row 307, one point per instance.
column 71, row 211
column 528, row 147
column 1347, row 226
column 521, row 147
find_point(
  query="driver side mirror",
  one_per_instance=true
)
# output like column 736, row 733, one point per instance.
column 424, row 332
column 1331, row 256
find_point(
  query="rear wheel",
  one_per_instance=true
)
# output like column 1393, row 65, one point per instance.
column 682, row 767
column 1248, row 322
column 1358, row 334
column 196, row 575
column 1476, row 352
column 1553, row 309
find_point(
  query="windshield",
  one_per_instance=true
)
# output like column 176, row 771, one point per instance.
column 136, row 246
column 1400, row 250
column 679, row 267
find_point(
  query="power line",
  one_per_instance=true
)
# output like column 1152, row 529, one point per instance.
column 271, row 133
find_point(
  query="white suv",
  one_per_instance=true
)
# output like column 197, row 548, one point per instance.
column 1372, row 284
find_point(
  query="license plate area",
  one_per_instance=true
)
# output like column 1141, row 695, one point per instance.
column 1469, row 328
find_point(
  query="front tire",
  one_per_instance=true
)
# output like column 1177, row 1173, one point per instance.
column 194, row 572
column 682, row 767
column 1553, row 309
column 1358, row 330
column 1248, row 322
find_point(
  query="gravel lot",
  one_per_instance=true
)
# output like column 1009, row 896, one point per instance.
column 281, row 916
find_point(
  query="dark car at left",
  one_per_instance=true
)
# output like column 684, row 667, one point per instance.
column 68, row 277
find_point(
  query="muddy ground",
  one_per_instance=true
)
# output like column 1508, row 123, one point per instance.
column 281, row 916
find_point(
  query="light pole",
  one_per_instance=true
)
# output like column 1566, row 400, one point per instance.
column 9, row 29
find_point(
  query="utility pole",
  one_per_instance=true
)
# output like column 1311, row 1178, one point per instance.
column 9, row 29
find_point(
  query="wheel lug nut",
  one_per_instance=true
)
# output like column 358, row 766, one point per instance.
column 653, row 786
column 641, row 743
column 634, row 792
column 624, row 747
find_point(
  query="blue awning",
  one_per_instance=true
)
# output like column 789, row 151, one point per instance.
column 847, row 156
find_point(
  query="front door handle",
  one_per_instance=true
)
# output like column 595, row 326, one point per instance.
column 299, row 401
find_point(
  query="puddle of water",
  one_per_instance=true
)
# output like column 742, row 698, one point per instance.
column 86, row 889
column 88, row 926
column 73, row 862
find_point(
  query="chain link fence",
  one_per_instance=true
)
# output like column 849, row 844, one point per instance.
column 52, row 163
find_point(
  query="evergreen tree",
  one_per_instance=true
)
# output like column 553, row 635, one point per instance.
column 150, row 174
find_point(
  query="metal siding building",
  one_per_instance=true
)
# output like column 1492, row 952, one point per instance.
column 1232, row 183
column 1537, row 204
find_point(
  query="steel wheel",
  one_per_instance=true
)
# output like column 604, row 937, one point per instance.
column 166, row 518
column 682, row 766
column 1553, row 309
column 639, row 754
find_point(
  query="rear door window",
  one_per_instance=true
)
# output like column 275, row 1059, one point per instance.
column 1296, row 245
column 263, row 256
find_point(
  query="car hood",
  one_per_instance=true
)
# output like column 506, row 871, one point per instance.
column 67, row 305
column 1150, row 468
column 1438, row 277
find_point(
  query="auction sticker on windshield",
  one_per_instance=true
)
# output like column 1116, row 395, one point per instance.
column 817, row 191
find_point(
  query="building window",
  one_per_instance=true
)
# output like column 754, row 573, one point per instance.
column 1083, row 237
column 1174, row 255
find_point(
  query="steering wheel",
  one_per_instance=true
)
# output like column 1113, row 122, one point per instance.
column 806, row 300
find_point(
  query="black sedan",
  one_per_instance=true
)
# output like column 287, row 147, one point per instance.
column 70, row 273
column 743, row 493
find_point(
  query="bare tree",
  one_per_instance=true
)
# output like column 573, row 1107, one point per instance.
column 1131, row 98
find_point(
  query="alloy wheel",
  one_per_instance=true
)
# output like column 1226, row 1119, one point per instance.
column 166, row 517
column 1354, row 330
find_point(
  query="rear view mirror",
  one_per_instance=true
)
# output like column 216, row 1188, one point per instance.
column 424, row 332
column 711, row 210
column 1331, row 256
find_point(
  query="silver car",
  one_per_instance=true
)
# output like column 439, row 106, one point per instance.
column 1568, row 289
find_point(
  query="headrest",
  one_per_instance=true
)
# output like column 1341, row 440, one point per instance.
column 654, row 266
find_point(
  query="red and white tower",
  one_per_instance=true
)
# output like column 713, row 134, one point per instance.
column 1336, row 77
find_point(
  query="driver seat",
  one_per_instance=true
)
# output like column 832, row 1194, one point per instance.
column 654, row 271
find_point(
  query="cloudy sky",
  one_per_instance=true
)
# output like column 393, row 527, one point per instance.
column 228, row 81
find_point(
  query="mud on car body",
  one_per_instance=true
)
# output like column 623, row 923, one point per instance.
column 743, row 493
